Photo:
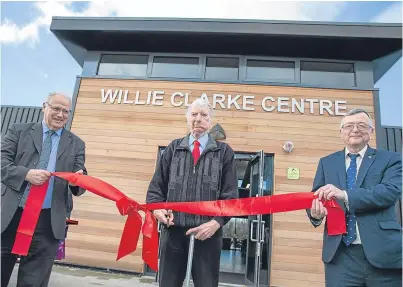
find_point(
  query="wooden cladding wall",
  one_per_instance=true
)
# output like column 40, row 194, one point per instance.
column 122, row 142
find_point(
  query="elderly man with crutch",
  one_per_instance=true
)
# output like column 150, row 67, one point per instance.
column 193, row 168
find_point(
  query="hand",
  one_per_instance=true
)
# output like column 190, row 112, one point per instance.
column 205, row 230
column 37, row 176
column 80, row 172
column 164, row 216
column 318, row 211
column 329, row 191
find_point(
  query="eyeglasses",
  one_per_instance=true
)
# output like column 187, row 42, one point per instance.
column 360, row 126
column 58, row 110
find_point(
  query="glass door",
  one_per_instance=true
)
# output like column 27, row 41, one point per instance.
column 256, row 225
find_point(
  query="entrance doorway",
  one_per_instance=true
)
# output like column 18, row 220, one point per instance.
column 245, row 260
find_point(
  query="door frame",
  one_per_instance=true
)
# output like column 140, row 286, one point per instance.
column 260, row 232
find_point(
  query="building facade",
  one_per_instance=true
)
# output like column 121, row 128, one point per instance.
column 268, row 82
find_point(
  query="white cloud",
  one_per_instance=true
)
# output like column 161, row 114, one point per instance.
column 230, row 9
column 11, row 33
column 323, row 11
column 392, row 14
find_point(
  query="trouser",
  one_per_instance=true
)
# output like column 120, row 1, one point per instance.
column 35, row 268
column 174, row 253
column 350, row 268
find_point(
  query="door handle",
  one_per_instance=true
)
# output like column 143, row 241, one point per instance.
column 252, row 231
column 262, row 233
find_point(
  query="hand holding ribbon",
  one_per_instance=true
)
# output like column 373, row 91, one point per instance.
column 131, row 232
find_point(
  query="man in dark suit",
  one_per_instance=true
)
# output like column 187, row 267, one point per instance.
column 366, row 183
column 29, row 152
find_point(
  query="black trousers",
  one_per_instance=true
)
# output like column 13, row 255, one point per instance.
column 35, row 268
column 350, row 268
column 174, row 253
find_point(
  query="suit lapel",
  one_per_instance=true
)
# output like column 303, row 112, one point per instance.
column 341, row 168
column 37, row 136
column 65, row 141
column 366, row 163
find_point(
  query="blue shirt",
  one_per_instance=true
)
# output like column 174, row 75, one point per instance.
column 202, row 140
column 47, row 203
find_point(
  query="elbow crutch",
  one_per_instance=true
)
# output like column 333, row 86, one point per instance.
column 190, row 259
column 159, row 250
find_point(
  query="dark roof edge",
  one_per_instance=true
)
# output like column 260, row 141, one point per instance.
column 232, row 27
column 224, row 20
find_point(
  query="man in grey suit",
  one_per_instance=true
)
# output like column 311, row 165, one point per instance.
column 29, row 152
column 366, row 183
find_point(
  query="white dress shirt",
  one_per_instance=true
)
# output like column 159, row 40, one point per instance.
column 359, row 161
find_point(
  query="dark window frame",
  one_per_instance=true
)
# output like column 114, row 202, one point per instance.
column 123, row 54
column 204, row 68
column 323, row 62
column 242, row 79
column 270, row 80
column 153, row 56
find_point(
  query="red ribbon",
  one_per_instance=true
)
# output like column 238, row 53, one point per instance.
column 235, row 207
column 29, row 218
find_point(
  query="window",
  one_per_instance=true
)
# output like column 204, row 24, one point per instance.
column 326, row 73
column 270, row 70
column 175, row 67
column 222, row 69
column 123, row 65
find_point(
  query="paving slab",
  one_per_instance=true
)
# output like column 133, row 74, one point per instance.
column 66, row 276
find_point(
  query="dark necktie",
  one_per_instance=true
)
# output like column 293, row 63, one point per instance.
column 350, row 217
column 43, row 162
column 196, row 152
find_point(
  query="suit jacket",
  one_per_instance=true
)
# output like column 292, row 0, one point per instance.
column 373, row 198
column 20, row 151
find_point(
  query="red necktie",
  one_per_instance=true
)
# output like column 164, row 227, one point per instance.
column 196, row 152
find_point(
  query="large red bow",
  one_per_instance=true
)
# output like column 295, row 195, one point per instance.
column 131, row 232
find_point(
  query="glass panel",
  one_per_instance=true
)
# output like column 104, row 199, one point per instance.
column 325, row 73
column 222, row 69
column 175, row 67
column 123, row 65
column 270, row 70
column 327, row 67
column 268, row 176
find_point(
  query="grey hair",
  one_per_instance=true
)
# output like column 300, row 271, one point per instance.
column 203, row 104
column 51, row 95
column 354, row 112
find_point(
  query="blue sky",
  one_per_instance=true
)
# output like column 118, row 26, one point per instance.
column 34, row 63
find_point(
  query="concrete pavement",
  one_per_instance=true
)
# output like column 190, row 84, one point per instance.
column 65, row 276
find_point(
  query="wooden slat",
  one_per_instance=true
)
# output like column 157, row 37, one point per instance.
column 24, row 117
column 391, row 139
column 17, row 114
column 6, row 120
column 398, row 140
column 289, row 282
column 122, row 142
column 30, row 116
column 101, row 259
